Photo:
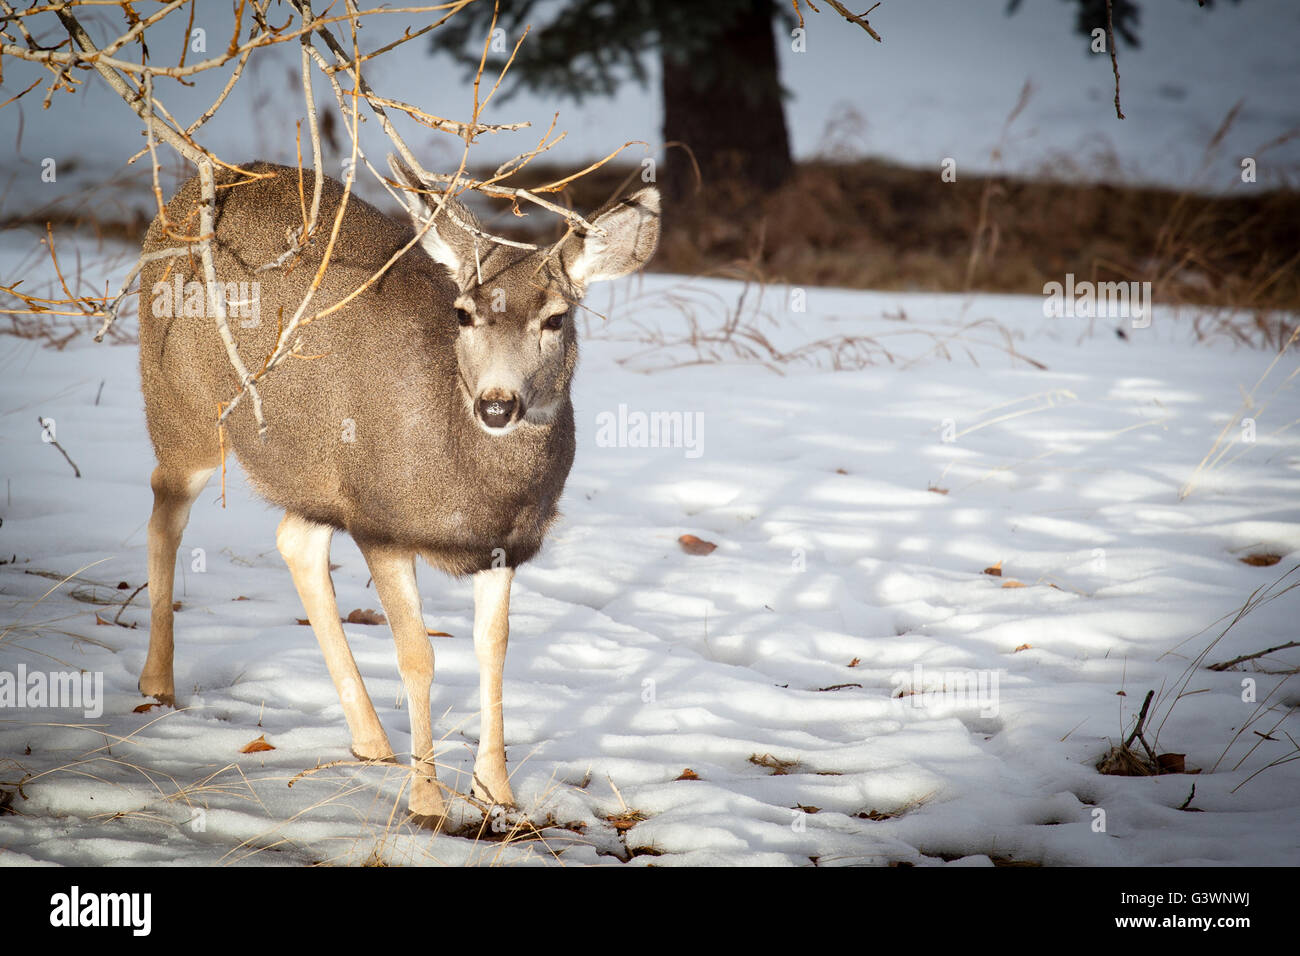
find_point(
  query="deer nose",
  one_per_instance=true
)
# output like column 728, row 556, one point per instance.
column 497, row 407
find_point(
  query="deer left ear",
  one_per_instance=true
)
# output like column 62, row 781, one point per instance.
column 631, row 235
column 446, row 241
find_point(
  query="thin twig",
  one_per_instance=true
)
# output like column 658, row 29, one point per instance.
column 1137, row 730
column 1114, row 63
column 117, row 618
column 75, row 470
column 111, row 310
column 1224, row 665
column 859, row 19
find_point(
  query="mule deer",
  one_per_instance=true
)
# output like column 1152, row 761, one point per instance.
column 428, row 416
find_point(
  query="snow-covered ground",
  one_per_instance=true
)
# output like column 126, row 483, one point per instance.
column 793, row 670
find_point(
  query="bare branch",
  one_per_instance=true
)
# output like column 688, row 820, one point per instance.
column 310, row 226
column 75, row 470
column 859, row 19
column 97, row 58
column 1224, row 665
column 110, row 311
column 1114, row 63
column 216, row 302
column 140, row 27
column 118, row 84
column 446, row 125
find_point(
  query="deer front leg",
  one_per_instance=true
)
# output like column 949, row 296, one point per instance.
column 305, row 546
column 394, row 572
column 491, row 633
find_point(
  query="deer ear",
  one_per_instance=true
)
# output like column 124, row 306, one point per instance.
column 631, row 236
column 447, row 241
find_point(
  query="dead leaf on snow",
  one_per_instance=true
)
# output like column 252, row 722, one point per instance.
column 873, row 815
column 1172, row 763
column 775, row 764
column 622, row 822
column 1122, row 762
column 693, row 545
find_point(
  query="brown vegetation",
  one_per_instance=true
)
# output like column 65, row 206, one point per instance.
column 878, row 225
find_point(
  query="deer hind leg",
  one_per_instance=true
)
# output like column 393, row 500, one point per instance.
column 491, row 634
column 394, row 572
column 305, row 546
column 174, row 491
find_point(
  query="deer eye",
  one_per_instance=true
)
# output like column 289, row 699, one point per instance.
column 553, row 323
column 464, row 318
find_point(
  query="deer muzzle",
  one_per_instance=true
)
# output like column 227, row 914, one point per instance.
column 498, row 408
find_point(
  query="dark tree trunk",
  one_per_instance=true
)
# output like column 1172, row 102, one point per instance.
column 722, row 98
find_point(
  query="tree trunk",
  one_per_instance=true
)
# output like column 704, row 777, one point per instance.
column 722, row 98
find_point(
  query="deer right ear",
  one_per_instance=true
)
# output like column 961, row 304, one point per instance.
column 447, row 241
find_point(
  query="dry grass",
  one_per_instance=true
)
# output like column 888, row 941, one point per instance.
column 1253, row 404
column 722, row 325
